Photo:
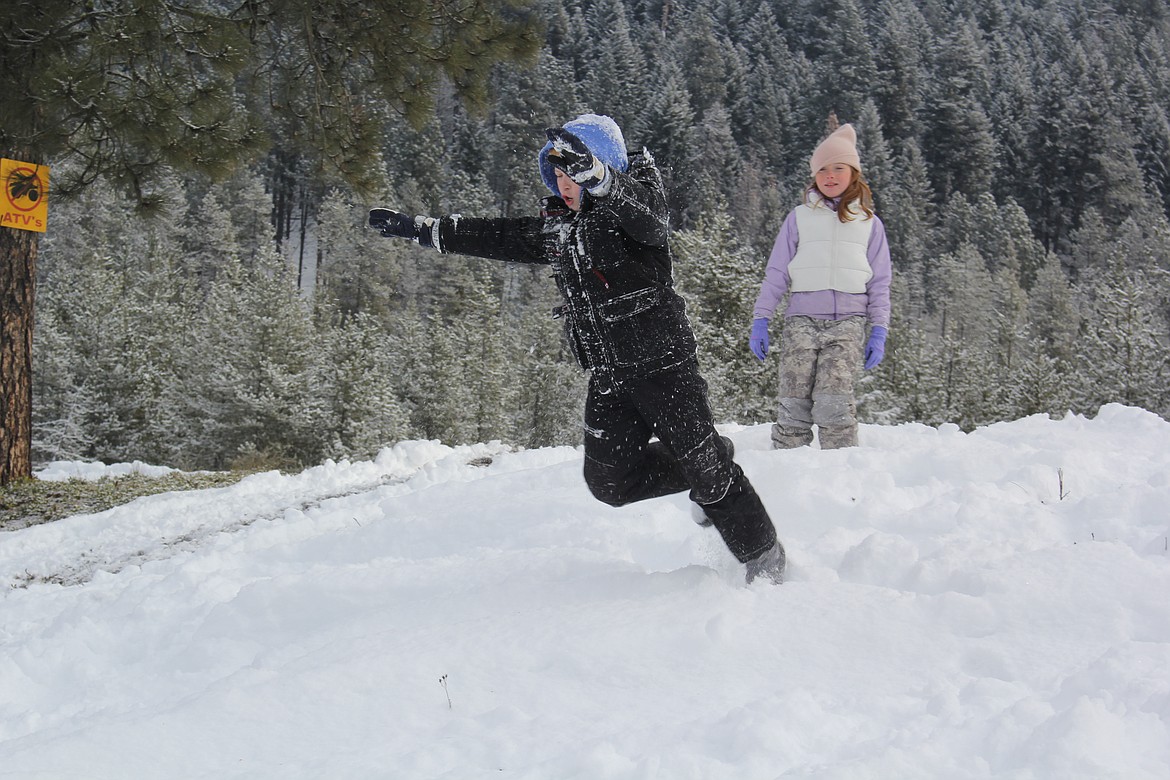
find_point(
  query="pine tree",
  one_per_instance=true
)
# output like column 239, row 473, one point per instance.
column 613, row 78
column 550, row 388
column 259, row 379
column 914, row 384
column 838, row 45
column 442, row 397
column 1125, row 354
column 756, row 209
column 966, row 319
column 667, row 129
column 1149, row 97
column 251, row 383
column 1055, row 314
column 714, row 169
column 413, row 157
column 1043, row 385
column 720, row 278
column 962, row 152
column 357, row 375
column 1090, row 245
column 1012, row 110
column 1012, row 343
column 900, row 44
column 1051, row 187
column 111, row 316
column 481, row 334
column 1023, row 243
column 360, row 271
column 774, row 121
column 907, row 217
column 704, row 61
column 871, row 143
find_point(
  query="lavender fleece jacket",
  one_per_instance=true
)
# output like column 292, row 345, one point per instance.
column 874, row 304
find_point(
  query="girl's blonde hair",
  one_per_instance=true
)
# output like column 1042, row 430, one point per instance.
column 857, row 192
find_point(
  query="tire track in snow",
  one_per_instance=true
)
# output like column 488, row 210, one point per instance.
column 158, row 527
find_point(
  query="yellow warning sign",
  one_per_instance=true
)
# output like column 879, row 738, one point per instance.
column 25, row 202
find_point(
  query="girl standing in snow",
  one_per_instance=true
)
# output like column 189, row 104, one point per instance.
column 832, row 259
column 604, row 232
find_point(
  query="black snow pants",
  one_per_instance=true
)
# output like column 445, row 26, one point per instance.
column 622, row 465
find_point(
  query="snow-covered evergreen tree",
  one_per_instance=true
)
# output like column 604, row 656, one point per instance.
column 1033, row 137
column 959, row 143
column 1124, row 354
column 719, row 278
column 356, row 386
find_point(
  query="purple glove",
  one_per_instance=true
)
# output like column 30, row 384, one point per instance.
column 759, row 338
column 875, row 349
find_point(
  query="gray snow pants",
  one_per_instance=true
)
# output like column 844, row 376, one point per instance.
column 819, row 363
column 623, row 465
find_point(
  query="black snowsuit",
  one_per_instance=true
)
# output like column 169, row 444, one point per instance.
column 627, row 326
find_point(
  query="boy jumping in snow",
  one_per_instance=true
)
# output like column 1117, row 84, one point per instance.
column 604, row 231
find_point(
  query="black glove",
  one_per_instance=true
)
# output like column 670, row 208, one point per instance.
column 571, row 155
column 394, row 223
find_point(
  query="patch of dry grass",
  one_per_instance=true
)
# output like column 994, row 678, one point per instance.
column 32, row 501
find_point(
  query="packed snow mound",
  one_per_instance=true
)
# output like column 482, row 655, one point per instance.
column 959, row 605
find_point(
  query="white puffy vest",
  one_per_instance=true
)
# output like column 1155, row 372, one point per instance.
column 831, row 254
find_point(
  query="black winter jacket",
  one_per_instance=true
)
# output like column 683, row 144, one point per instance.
column 612, row 264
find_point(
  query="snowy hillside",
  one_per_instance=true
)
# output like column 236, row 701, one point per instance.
column 992, row 604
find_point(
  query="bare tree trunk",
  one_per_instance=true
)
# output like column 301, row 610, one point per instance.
column 18, row 254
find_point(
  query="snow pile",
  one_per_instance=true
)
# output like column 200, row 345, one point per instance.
column 991, row 604
column 74, row 469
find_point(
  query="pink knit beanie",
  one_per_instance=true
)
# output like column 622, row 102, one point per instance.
column 839, row 147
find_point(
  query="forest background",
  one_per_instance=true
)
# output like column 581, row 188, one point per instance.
column 1019, row 151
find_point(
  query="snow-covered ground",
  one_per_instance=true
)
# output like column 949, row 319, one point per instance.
column 992, row 604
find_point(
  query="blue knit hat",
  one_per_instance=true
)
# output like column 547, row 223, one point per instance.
column 603, row 137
